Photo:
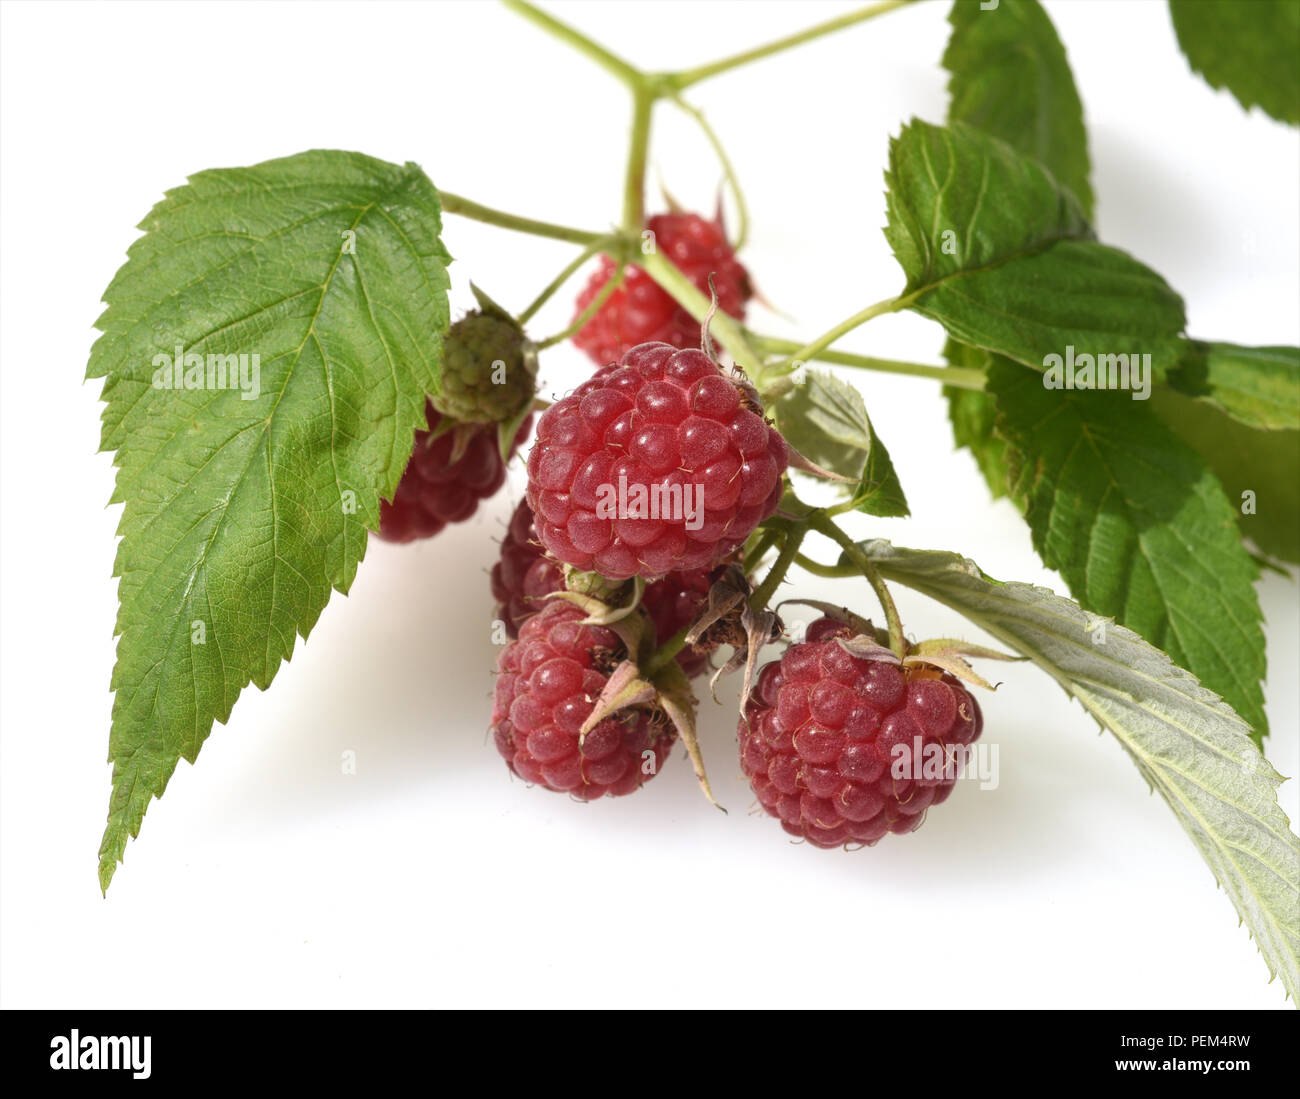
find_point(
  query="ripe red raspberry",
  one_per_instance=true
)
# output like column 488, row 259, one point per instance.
column 547, row 684
column 440, row 486
column 525, row 575
column 640, row 311
column 656, row 464
column 817, row 740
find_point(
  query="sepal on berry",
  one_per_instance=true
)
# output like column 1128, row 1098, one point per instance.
column 634, row 630
column 678, row 702
column 622, row 689
column 949, row 655
column 729, row 619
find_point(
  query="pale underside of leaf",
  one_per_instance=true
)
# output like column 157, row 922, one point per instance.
column 825, row 419
column 1189, row 745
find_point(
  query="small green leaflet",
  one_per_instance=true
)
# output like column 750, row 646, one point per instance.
column 1258, row 386
column 1011, row 79
column 1248, row 48
column 826, row 421
column 1189, row 745
column 1001, row 254
column 1138, row 526
column 1259, row 470
column 266, row 352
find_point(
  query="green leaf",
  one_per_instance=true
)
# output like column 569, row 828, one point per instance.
column 1188, row 745
column 974, row 415
column 1259, row 386
column 1246, row 460
column 1250, row 49
column 1001, row 254
column 1138, row 526
column 245, row 505
column 825, row 420
column 1011, row 79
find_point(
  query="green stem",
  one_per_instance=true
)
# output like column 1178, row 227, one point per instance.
column 789, row 550
column 959, row 377
column 823, row 525
column 634, row 182
column 560, row 279
column 680, row 80
column 765, row 542
column 630, row 76
column 831, row 572
column 594, row 307
column 725, row 328
column 742, row 210
column 812, row 350
column 456, row 204
column 664, row 653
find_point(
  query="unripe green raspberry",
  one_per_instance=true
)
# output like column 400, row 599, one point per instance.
column 488, row 371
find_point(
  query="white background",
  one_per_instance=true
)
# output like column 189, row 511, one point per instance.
column 265, row 876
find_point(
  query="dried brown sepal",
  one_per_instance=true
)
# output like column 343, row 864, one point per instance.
column 728, row 619
column 718, row 622
column 759, row 628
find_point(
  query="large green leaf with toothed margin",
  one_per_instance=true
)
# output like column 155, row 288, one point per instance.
column 305, row 300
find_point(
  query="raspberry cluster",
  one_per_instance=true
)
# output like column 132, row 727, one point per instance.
column 547, row 684
column 640, row 311
column 829, row 740
column 659, row 463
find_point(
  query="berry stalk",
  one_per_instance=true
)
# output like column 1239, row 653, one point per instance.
column 458, row 204
column 821, row 523
column 610, row 62
column 956, row 376
column 570, row 269
column 822, row 342
column 790, row 542
column 726, row 329
column 681, row 80
column 580, row 321
column 638, row 147
column 733, row 181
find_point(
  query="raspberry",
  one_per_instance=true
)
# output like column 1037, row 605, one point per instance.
column 818, row 734
column 640, row 311
column 645, row 450
column 441, row 486
column 525, row 575
column 487, row 376
column 547, row 684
